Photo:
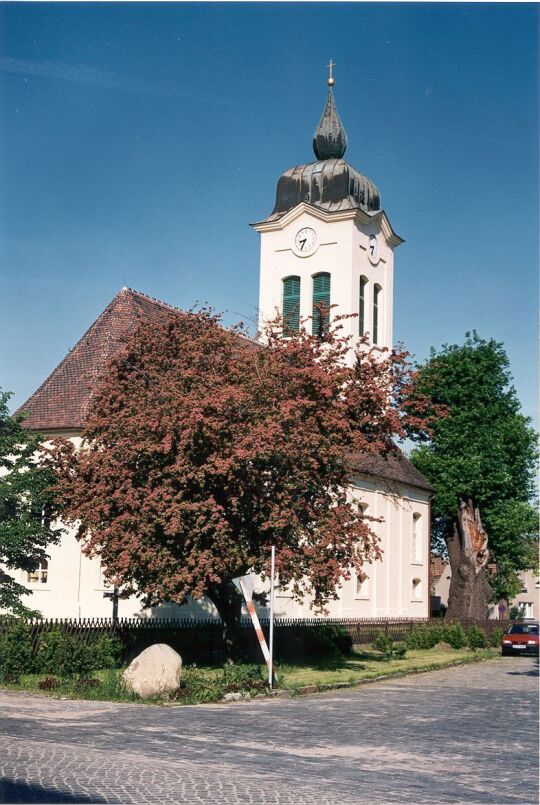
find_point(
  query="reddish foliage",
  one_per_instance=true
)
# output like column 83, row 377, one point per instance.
column 203, row 449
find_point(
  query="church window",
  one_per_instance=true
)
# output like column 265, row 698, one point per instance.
column 321, row 303
column 416, row 538
column 417, row 589
column 362, row 586
column 291, row 304
column 40, row 573
column 376, row 310
column 362, row 306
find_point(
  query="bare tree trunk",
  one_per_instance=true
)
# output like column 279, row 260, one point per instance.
column 467, row 543
column 228, row 602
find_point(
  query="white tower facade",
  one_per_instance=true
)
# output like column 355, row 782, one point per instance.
column 328, row 243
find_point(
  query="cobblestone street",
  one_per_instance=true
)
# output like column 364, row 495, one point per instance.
column 467, row 734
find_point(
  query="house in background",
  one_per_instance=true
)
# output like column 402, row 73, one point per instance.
column 326, row 241
column 528, row 599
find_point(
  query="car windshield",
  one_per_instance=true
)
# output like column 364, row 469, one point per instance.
column 524, row 628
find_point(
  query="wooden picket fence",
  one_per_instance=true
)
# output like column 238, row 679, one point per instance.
column 201, row 641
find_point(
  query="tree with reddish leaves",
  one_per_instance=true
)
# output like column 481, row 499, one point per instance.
column 204, row 448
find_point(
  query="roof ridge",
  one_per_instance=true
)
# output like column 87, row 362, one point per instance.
column 152, row 299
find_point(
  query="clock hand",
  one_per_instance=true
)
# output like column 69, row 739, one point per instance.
column 302, row 242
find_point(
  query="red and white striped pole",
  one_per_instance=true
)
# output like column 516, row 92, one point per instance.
column 255, row 619
column 246, row 585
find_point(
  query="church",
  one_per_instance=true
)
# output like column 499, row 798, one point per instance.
column 329, row 241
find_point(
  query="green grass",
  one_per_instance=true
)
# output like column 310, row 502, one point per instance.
column 201, row 685
column 109, row 689
column 366, row 663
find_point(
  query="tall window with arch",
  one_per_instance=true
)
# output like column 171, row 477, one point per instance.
column 377, row 305
column 416, row 548
column 321, row 303
column 291, row 304
column 362, row 306
column 362, row 585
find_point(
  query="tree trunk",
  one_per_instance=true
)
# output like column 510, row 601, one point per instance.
column 467, row 542
column 228, row 602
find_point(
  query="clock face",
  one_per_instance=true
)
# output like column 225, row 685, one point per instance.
column 373, row 247
column 306, row 240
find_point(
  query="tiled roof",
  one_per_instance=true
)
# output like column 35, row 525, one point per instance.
column 437, row 566
column 63, row 399
column 393, row 467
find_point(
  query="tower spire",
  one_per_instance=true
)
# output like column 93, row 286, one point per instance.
column 330, row 138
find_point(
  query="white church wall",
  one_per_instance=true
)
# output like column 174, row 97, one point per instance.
column 75, row 585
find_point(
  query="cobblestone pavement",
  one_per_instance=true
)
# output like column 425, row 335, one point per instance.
column 466, row 734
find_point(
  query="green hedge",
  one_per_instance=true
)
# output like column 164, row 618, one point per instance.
column 426, row 637
column 57, row 652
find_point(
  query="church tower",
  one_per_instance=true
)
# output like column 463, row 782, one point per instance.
column 328, row 241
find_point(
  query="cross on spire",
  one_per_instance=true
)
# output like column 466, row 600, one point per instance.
column 331, row 79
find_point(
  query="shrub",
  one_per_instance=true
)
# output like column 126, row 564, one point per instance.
column 106, row 652
column 494, row 639
column 243, row 677
column 16, row 654
column 454, row 635
column 49, row 683
column 424, row 637
column 196, row 689
column 475, row 637
column 63, row 654
column 390, row 650
column 12, row 679
column 89, row 682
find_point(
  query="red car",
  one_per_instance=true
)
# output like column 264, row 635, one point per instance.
column 521, row 638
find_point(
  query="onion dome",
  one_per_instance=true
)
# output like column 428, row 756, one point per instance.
column 330, row 138
column 330, row 183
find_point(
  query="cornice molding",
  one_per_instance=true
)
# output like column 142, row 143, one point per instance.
column 359, row 216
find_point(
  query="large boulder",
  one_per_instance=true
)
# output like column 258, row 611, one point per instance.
column 155, row 671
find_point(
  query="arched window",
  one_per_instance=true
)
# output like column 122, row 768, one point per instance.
column 376, row 310
column 362, row 585
column 417, row 589
column 362, row 306
column 40, row 573
column 416, row 538
column 321, row 303
column 291, row 304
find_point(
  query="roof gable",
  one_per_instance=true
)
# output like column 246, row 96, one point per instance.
column 63, row 399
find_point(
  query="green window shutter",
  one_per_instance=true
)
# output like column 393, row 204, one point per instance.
column 291, row 304
column 376, row 295
column 321, row 296
column 362, row 307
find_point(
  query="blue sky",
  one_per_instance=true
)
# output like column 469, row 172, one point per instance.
column 138, row 141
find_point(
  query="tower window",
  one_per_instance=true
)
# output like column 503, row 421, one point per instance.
column 362, row 306
column 291, row 304
column 376, row 310
column 40, row 573
column 416, row 538
column 321, row 303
